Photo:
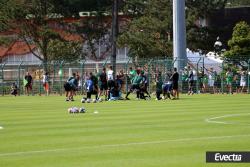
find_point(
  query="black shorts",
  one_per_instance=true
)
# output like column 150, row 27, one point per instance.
column 134, row 87
column 175, row 86
column 103, row 86
column 191, row 83
column 237, row 84
column 67, row 87
column 28, row 86
column 73, row 88
column 217, row 84
column 111, row 84
column 14, row 92
column 91, row 93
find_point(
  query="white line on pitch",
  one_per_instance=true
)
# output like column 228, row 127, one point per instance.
column 122, row 145
column 213, row 120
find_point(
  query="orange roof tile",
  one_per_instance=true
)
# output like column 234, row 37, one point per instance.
column 3, row 51
column 68, row 36
column 17, row 48
column 20, row 48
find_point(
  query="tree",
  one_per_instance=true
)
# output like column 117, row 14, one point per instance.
column 147, row 35
column 150, row 30
column 76, row 6
column 239, row 44
column 34, row 22
column 201, row 38
column 231, row 3
column 95, row 32
column 67, row 51
column 134, row 8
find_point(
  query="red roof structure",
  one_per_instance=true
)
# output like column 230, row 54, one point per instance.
column 16, row 48
column 21, row 48
column 3, row 51
column 68, row 36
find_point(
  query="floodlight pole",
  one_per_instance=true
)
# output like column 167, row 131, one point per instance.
column 179, row 33
column 114, row 34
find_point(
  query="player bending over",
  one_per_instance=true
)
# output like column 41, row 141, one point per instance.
column 70, row 87
column 167, row 90
column 135, row 86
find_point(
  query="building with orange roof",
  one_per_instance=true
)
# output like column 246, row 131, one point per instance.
column 18, row 51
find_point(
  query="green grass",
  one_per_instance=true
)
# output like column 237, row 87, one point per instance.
column 38, row 132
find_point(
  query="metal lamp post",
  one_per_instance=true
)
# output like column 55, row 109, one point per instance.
column 218, row 50
column 218, row 46
column 179, row 33
column 114, row 34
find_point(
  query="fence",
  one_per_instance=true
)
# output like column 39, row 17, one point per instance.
column 59, row 72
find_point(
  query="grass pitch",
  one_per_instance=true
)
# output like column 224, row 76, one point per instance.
column 38, row 131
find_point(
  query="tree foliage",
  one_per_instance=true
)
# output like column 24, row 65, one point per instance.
column 76, row 6
column 239, row 44
column 148, row 35
column 150, row 31
column 232, row 3
column 33, row 21
column 199, row 37
column 94, row 31
column 67, row 51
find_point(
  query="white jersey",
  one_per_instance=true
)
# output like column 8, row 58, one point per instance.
column 110, row 75
column 243, row 79
column 194, row 75
column 45, row 78
column 212, row 75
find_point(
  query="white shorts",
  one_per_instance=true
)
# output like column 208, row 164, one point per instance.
column 211, row 83
column 243, row 83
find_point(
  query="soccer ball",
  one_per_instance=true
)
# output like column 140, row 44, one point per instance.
column 74, row 110
column 83, row 101
column 82, row 110
column 69, row 110
column 100, row 100
column 94, row 101
column 88, row 100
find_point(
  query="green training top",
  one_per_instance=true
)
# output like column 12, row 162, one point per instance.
column 184, row 76
column 229, row 77
column 137, row 80
column 159, row 84
column 132, row 74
